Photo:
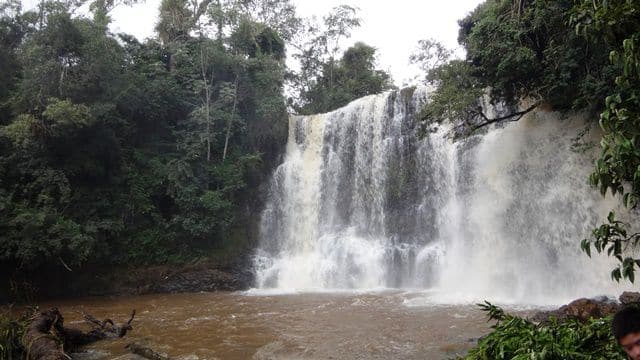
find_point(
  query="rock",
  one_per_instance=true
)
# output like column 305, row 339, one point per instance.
column 203, row 279
column 146, row 352
column 270, row 351
column 129, row 357
column 90, row 355
column 629, row 297
column 581, row 310
column 201, row 276
column 584, row 309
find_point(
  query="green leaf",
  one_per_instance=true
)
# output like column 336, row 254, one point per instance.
column 611, row 217
column 585, row 245
column 616, row 275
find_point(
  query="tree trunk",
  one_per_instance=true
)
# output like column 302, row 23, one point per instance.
column 230, row 122
column 207, row 102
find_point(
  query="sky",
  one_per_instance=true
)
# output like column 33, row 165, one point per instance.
column 393, row 27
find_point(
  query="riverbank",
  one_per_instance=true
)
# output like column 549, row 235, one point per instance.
column 180, row 279
column 204, row 275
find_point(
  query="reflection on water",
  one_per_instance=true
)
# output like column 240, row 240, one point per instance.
column 385, row 325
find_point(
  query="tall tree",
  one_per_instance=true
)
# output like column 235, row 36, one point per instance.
column 320, row 84
column 13, row 27
column 430, row 54
column 353, row 76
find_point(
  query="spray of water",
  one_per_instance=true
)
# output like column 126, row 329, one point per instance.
column 362, row 202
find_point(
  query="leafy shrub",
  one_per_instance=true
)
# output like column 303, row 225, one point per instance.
column 11, row 330
column 516, row 338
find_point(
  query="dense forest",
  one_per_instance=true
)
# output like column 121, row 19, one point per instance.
column 116, row 152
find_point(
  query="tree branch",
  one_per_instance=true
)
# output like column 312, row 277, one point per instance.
column 511, row 117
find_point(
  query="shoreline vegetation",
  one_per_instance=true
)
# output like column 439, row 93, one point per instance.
column 569, row 338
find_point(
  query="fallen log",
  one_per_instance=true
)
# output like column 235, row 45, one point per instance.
column 46, row 338
column 41, row 339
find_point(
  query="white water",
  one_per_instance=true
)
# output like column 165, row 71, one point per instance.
column 362, row 203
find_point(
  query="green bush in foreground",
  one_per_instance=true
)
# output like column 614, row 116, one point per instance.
column 11, row 330
column 518, row 339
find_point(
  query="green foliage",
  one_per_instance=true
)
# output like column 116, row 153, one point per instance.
column 13, row 28
column 118, row 152
column 12, row 329
column 176, row 20
column 618, row 167
column 339, row 23
column 542, row 58
column 449, row 102
column 62, row 117
column 517, row 338
column 520, row 51
column 20, row 132
column 324, row 82
column 613, row 238
column 354, row 76
column 429, row 55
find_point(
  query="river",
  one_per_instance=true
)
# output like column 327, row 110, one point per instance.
column 222, row 325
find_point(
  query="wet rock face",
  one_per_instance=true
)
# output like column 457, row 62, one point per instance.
column 580, row 309
column 584, row 309
column 629, row 297
column 202, row 280
column 233, row 274
column 193, row 278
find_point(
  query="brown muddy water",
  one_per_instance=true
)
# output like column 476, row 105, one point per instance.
column 384, row 325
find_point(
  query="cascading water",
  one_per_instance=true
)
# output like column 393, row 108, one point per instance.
column 362, row 202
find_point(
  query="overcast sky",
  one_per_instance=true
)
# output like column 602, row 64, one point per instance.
column 393, row 27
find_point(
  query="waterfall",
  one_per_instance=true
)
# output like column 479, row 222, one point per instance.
column 362, row 202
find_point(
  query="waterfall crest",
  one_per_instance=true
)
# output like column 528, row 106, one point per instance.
column 362, row 202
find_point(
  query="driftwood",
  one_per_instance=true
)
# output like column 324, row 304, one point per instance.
column 46, row 338
column 100, row 328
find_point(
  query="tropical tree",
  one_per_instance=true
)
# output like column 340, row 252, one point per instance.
column 316, row 50
column 353, row 76
column 430, row 54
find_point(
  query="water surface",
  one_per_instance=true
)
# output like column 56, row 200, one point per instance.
column 383, row 325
